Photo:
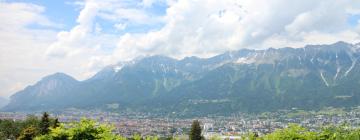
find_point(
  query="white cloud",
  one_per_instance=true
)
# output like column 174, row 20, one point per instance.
column 313, row 37
column 16, row 15
column 87, row 42
column 148, row 3
column 70, row 43
column 120, row 26
column 20, row 47
column 205, row 28
column 321, row 18
column 190, row 27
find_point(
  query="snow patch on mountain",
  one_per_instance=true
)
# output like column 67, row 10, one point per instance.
column 351, row 67
column 323, row 78
column 244, row 60
column 117, row 67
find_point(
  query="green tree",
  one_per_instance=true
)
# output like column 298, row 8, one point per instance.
column 45, row 124
column 151, row 138
column 58, row 133
column 195, row 132
column 215, row 137
column 292, row 132
column 28, row 133
column 137, row 137
column 56, row 123
column 9, row 129
column 83, row 130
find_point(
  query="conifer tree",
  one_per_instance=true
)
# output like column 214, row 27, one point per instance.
column 56, row 123
column 195, row 132
column 45, row 124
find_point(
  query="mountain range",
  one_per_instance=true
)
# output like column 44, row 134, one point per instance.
column 311, row 77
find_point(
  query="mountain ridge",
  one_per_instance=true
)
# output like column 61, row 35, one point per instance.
column 244, row 80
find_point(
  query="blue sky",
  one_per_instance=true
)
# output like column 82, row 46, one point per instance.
column 353, row 19
column 80, row 37
column 63, row 12
column 66, row 12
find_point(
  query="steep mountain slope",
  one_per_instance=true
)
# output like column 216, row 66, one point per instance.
column 246, row 80
column 44, row 94
column 3, row 102
column 308, row 78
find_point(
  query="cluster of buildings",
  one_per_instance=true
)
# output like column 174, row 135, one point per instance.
column 130, row 123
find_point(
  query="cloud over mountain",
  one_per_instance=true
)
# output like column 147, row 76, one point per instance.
column 105, row 32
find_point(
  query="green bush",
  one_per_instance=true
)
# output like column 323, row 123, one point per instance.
column 296, row 132
column 28, row 133
column 83, row 130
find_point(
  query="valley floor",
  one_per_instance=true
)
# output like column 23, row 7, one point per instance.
column 128, row 124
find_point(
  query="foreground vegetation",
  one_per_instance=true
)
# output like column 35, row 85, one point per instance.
column 28, row 128
column 48, row 128
column 296, row 132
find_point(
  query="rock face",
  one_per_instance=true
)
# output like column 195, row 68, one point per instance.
column 51, row 91
column 246, row 80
